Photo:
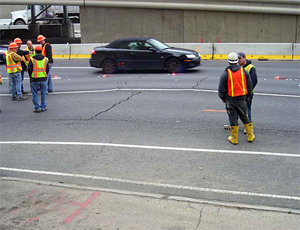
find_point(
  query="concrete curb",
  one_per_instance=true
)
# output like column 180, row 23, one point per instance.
column 159, row 196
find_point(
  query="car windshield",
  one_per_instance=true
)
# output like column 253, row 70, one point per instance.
column 158, row 44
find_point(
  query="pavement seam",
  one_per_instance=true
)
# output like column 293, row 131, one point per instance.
column 235, row 205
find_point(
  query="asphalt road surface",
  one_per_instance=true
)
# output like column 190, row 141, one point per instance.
column 159, row 133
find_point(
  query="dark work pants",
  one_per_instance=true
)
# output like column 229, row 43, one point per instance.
column 237, row 109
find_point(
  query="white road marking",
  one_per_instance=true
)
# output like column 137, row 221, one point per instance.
column 170, row 186
column 161, row 90
column 149, row 147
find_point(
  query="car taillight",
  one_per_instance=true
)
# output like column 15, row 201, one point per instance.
column 93, row 52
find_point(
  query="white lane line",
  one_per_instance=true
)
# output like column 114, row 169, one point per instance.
column 159, row 90
column 170, row 186
column 148, row 147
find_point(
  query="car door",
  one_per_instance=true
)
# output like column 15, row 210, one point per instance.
column 124, row 56
column 145, row 56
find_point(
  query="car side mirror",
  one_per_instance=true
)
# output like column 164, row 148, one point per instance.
column 152, row 49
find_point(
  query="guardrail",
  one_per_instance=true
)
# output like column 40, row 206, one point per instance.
column 208, row 51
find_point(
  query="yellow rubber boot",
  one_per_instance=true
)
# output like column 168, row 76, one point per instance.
column 233, row 138
column 249, row 130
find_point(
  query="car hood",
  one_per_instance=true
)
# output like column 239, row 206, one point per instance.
column 180, row 51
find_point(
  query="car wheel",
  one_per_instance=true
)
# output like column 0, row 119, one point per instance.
column 173, row 65
column 109, row 66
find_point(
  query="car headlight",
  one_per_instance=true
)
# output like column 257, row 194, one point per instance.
column 190, row 56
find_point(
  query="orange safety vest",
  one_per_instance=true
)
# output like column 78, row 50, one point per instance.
column 237, row 83
column 11, row 65
column 39, row 68
column 44, row 50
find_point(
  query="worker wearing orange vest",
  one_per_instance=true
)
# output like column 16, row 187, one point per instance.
column 234, row 90
column 38, row 69
column 47, row 52
column 14, row 68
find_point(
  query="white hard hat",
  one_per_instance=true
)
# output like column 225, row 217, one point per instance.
column 232, row 58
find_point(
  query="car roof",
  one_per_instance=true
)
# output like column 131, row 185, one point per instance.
column 118, row 42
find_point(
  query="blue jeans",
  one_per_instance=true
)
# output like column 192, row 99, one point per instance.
column 16, row 82
column 249, row 103
column 35, row 87
column 22, row 74
column 49, row 78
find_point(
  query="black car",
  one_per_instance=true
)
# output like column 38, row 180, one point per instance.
column 142, row 53
column 2, row 50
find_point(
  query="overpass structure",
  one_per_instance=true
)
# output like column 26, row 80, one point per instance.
column 186, row 21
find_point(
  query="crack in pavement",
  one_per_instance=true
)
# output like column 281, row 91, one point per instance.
column 127, row 99
column 197, row 84
column 200, row 216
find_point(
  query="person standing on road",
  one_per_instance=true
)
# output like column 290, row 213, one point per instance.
column 234, row 90
column 247, row 64
column 21, row 52
column 47, row 52
column 14, row 68
column 8, row 76
column 29, row 48
column 38, row 69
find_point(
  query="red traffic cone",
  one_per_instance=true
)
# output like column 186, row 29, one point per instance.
column 201, row 40
column 218, row 40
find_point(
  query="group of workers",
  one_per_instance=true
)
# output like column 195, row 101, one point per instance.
column 236, row 90
column 37, row 61
column 236, row 86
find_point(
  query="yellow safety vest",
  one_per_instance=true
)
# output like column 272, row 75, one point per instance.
column 28, row 56
column 39, row 68
column 11, row 65
column 249, row 67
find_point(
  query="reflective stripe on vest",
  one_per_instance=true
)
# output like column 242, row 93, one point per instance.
column 249, row 67
column 11, row 66
column 44, row 50
column 236, row 83
column 28, row 56
column 39, row 68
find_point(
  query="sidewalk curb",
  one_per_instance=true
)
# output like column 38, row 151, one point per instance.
column 159, row 196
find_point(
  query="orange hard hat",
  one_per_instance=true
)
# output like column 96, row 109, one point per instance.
column 12, row 45
column 38, row 48
column 18, row 41
column 40, row 38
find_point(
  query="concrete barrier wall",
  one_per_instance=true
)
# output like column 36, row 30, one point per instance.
column 296, row 55
column 208, row 51
column 205, row 49
column 273, row 51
